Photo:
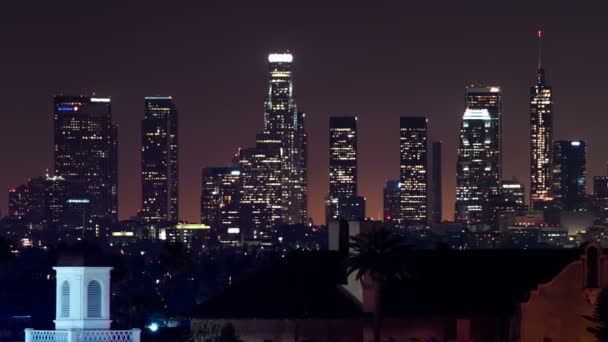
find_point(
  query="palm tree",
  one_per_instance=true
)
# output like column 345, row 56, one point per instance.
column 377, row 257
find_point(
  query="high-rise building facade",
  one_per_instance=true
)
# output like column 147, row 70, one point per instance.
column 391, row 201
column 18, row 202
column 513, row 191
column 600, row 199
column 490, row 99
column 221, row 187
column 159, row 161
column 541, row 138
column 260, row 198
column 476, row 177
column 569, row 172
column 413, row 171
column 42, row 200
column 436, row 186
column 86, row 152
column 342, row 164
column 282, row 119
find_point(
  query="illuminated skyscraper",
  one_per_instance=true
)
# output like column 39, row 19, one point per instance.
column 86, row 153
column 600, row 199
column 261, row 186
column 18, row 202
column 413, row 170
column 490, row 98
column 159, row 161
column 515, row 192
column 569, row 172
column 475, row 177
column 435, row 195
column 282, row 119
column 220, row 195
column 42, row 200
column 541, row 137
column 392, row 200
column 342, row 164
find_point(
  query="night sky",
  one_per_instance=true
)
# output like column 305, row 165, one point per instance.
column 378, row 60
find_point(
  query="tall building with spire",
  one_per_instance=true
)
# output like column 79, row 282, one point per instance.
column 282, row 120
column 159, row 160
column 541, row 137
column 86, row 153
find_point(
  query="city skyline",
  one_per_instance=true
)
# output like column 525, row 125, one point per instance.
column 577, row 112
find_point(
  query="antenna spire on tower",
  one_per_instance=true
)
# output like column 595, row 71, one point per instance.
column 539, row 34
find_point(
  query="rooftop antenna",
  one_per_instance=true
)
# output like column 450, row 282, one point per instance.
column 539, row 34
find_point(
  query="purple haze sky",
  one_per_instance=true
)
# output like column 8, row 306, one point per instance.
column 378, row 60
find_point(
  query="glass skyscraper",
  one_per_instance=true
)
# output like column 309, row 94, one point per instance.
column 413, row 171
column 479, row 154
column 342, row 165
column 569, row 172
column 260, row 197
column 86, row 142
column 391, row 201
column 436, row 186
column 541, row 138
column 220, row 205
column 159, row 161
column 476, row 176
column 282, row 120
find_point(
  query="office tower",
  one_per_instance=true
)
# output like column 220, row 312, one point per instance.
column 42, row 200
column 48, row 199
column 18, row 202
column 159, row 161
column 600, row 199
column 490, row 98
column 476, row 176
column 86, row 152
column 220, row 194
column 514, row 192
column 436, row 184
column 510, row 200
column 261, row 186
column 282, row 120
column 541, row 137
column 353, row 208
column 569, row 171
column 413, row 171
column 392, row 200
column 342, row 164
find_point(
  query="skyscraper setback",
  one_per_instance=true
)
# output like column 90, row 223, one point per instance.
column 159, row 161
column 413, row 171
column 342, row 165
column 541, row 137
column 86, row 152
column 283, row 121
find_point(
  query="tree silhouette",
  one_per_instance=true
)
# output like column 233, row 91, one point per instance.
column 228, row 334
column 377, row 256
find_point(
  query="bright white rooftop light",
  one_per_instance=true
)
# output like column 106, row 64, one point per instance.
column 476, row 114
column 280, row 58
